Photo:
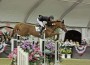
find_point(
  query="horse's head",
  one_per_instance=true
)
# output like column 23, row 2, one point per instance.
column 60, row 24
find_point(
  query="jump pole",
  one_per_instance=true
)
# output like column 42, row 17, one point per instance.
column 56, row 53
column 42, row 47
column 12, row 42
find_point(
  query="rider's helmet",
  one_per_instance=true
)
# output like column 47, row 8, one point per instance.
column 40, row 15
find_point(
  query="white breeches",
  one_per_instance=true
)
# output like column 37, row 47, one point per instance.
column 40, row 22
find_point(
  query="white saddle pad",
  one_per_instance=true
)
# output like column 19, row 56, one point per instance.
column 37, row 28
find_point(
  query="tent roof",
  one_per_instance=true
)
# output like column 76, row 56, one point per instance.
column 74, row 12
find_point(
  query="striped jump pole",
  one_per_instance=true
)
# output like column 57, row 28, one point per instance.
column 56, row 53
column 42, row 47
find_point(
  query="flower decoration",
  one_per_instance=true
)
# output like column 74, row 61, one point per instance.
column 13, row 54
column 50, row 45
column 35, row 56
column 26, row 46
column 49, row 51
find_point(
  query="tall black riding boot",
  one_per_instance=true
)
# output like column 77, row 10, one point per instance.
column 41, row 31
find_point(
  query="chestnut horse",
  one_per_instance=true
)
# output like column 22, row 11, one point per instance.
column 25, row 29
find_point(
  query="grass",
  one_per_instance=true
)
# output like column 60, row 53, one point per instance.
column 5, row 61
column 75, row 62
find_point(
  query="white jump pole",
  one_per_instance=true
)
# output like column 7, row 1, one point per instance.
column 56, row 54
column 42, row 47
column 22, row 57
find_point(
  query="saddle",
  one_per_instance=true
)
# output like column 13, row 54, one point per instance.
column 38, row 28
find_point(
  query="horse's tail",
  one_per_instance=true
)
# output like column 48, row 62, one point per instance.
column 15, row 29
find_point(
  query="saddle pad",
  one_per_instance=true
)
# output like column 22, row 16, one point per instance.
column 37, row 28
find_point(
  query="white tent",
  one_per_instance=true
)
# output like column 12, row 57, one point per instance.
column 74, row 12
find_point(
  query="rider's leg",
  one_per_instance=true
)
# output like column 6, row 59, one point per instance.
column 40, row 23
column 42, row 26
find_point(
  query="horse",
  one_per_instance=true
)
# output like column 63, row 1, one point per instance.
column 24, row 29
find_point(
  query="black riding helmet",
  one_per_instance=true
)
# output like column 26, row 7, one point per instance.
column 40, row 15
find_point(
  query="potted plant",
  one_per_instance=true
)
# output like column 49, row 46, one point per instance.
column 63, row 52
column 66, row 52
column 69, row 51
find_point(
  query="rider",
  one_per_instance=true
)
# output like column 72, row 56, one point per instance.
column 40, row 20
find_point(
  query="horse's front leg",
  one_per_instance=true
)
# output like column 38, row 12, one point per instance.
column 53, row 34
column 55, row 37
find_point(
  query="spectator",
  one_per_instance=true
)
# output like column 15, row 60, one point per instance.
column 83, row 42
column 77, row 43
column 66, row 43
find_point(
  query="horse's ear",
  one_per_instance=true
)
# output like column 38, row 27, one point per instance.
column 63, row 21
